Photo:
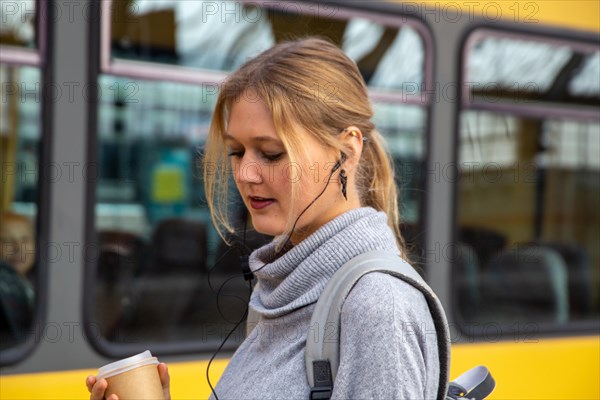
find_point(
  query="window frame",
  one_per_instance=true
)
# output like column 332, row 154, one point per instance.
column 102, row 62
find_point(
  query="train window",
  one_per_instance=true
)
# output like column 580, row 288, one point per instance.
column 527, row 254
column 160, row 262
column 19, row 150
column 504, row 69
column 19, row 24
column 404, row 130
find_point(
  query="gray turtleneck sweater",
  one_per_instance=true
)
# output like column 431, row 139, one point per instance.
column 388, row 343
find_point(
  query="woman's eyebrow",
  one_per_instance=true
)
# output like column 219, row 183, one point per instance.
column 255, row 138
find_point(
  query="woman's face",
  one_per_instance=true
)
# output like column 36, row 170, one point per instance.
column 17, row 245
column 264, row 173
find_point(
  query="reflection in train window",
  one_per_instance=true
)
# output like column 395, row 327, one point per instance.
column 404, row 130
column 522, row 70
column 220, row 36
column 19, row 150
column 19, row 23
column 528, row 221
column 160, row 262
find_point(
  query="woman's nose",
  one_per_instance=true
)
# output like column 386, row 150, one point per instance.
column 250, row 171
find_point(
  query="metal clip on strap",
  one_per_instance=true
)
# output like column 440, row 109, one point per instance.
column 477, row 383
column 455, row 391
column 323, row 381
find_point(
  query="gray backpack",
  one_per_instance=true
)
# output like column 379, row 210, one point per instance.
column 322, row 356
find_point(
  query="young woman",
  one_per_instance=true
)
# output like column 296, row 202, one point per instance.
column 294, row 126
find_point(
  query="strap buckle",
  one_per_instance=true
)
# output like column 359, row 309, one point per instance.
column 323, row 383
column 321, row 393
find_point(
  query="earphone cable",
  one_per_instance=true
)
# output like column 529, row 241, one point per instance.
column 219, row 290
column 221, row 346
column 297, row 219
column 335, row 168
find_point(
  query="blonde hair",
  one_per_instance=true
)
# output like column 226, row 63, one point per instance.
column 7, row 217
column 308, row 83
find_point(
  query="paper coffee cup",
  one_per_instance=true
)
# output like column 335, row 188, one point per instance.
column 133, row 378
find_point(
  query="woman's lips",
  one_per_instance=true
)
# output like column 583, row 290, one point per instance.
column 260, row 202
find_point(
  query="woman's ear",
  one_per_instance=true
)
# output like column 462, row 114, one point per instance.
column 352, row 139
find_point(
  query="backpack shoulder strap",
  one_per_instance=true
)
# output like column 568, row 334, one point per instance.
column 322, row 355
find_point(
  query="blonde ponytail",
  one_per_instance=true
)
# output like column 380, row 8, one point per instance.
column 376, row 183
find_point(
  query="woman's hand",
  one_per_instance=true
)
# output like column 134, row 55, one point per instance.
column 98, row 387
column 165, row 380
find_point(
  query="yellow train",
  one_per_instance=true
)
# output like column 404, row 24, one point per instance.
column 491, row 111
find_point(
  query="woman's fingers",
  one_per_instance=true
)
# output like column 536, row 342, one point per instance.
column 89, row 382
column 98, row 390
column 163, row 371
column 165, row 380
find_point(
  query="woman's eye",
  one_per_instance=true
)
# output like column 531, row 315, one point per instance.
column 272, row 157
column 235, row 154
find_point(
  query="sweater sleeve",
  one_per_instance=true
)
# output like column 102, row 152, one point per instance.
column 388, row 342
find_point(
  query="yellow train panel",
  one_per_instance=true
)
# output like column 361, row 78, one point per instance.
column 576, row 14
column 565, row 368
column 188, row 381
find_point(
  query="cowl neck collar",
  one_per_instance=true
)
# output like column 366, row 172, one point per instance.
column 297, row 277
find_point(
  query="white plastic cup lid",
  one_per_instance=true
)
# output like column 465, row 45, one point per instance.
column 127, row 364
